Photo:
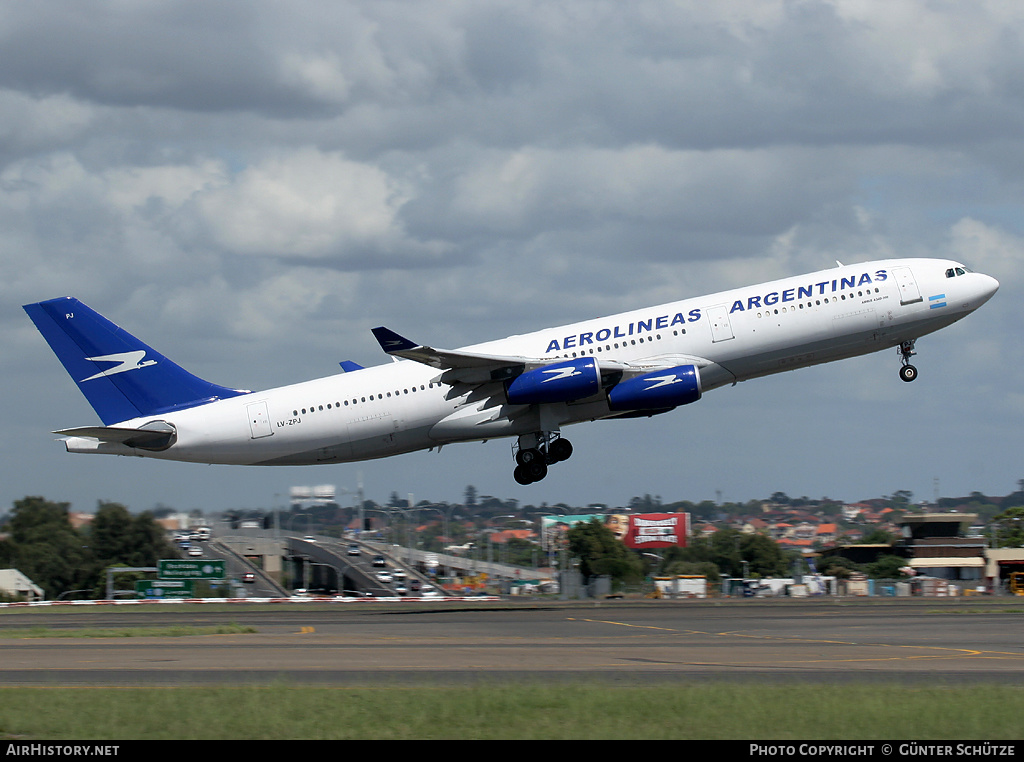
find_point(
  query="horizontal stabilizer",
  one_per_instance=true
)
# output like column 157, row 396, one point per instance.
column 157, row 435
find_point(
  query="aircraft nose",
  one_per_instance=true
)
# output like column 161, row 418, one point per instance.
column 989, row 286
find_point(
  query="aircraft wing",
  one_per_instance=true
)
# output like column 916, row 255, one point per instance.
column 474, row 368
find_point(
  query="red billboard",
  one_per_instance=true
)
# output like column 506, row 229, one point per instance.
column 650, row 530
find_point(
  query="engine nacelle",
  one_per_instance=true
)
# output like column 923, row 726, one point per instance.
column 659, row 390
column 560, row 382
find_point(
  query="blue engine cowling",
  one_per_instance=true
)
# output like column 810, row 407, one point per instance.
column 560, row 382
column 659, row 390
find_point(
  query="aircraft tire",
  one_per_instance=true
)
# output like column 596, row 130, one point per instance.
column 531, row 472
column 908, row 373
column 521, row 476
column 560, row 449
column 527, row 456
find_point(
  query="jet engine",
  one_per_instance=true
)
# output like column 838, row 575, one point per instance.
column 560, row 382
column 659, row 390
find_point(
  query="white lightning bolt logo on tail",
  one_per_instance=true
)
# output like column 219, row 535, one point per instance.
column 126, row 361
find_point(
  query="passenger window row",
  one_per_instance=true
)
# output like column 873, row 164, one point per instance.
column 623, row 345
column 816, row 303
column 360, row 400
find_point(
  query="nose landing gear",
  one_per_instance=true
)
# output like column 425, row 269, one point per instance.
column 908, row 372
column 536, row 452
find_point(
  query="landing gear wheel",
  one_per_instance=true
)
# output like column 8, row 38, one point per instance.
column 531, row 472
column 527, row 456
column 560, row 449
column 906, row 349
column 535, row 452
column 537, row 470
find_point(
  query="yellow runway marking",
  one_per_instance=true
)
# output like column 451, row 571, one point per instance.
column 947, row 651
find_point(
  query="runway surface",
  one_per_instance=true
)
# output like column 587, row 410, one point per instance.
column 886, row 641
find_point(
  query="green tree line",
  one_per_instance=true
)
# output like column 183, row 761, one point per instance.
column 43, row 545
column 726, row 553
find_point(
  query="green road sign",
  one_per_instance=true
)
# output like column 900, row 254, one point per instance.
column 198, row 569
column 164, row 588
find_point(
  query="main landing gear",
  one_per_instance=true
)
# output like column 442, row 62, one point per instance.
column 908, row 372
column 536, row 452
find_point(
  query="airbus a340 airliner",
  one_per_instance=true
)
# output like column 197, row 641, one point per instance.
column 530, row 386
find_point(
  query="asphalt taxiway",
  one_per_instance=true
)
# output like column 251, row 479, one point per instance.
column 834, row 641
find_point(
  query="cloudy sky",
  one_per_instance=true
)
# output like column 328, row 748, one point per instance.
column 251, row 186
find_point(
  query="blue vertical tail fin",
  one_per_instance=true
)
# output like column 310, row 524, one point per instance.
column 122, row 377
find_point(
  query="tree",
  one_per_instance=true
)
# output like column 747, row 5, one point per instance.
column 837, row 566
column 725, row 551
column 109, row 534
column 1008, row 528
column 645, row 504
column 763, row 555
column 119, row 538
column 721, row 549
column 728, row 548
column 901, row 498
column 46, row 548
column 886, row 567
column 600, row 553
column 876, row 536
column 148, row 541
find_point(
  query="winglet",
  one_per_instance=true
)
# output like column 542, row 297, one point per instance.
column 391, row 342
column 350, row 367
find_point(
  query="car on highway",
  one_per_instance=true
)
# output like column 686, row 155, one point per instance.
column 248, row 578
column 353, row 550
column 195, row 550
column 401, row 589
column 384, row 577
column 379, row 561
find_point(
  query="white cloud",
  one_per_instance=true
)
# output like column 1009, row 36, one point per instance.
column 31, row 122
column 988, row 249
column 307, row 204
column 323, row 77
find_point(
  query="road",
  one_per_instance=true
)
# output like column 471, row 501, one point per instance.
column 903, row 641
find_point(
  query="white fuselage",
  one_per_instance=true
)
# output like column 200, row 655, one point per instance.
column 731, row 336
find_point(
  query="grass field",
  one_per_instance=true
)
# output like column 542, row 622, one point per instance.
column 487, row 709
column 581, row 710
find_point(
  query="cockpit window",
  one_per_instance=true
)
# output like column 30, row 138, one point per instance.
column 955, row 271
